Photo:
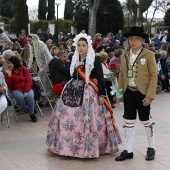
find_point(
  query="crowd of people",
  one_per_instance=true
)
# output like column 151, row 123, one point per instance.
column 92, row 71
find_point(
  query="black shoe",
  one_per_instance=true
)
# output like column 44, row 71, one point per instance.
column 33, row 118
column 167, row 91
column 17, row 109
column 150, row 154
column 124, row 155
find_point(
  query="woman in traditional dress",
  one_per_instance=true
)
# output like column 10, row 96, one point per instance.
column 82, row 124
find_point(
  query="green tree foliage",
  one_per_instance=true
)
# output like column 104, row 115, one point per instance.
column 51, row 10
column 68, row 11
column 42, row 9
column 22, row 19
column 167, row 17
column 8, row 8
column 109, row 17
column 80, row 15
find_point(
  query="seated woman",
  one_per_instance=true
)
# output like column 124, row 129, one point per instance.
column 3, row 88
column 19, row 81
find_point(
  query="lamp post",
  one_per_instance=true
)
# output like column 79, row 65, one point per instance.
column 57, row 4
column 137, row 18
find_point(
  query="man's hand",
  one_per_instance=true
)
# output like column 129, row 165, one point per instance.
column 67, row 60
column 146, row 101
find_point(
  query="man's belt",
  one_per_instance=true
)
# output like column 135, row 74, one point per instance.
column 131, row 88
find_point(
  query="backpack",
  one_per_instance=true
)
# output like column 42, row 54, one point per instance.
column 37, row 90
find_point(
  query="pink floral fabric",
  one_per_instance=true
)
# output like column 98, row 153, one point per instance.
column 85, row 131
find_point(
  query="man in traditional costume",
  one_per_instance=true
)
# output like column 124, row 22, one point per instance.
column 138, row 79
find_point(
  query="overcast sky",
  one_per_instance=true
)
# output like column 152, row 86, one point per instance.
column 34, row 4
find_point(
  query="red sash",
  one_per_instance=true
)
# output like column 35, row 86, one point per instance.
column 81, row 73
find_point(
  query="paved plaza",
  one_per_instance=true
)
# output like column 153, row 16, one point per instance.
column 22, row 147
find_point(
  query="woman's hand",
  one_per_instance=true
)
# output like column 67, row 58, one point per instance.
column 101, row 100
column 25, row 94
column 8, row 71
column 2, row 90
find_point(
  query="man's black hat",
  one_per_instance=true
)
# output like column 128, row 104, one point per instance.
column 136, row 31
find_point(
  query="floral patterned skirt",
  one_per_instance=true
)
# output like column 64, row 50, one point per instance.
column 85, row 131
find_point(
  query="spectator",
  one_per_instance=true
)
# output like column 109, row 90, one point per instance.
column 61, row 48
column 157, row 42
column 69, row 45
column 161, row 76
column 47, row 35
column 116, row 60
column 165, row 37
column 54, row 53
column 59, row 68
column 110, row 52
column 165, row 46
column 4, row 40
column 6, row 55
column 41, row 35
column 165, row 83
column 120, row 37
column 17, row 47
column 25, row 55
column 22, row 39
column 60, row 38
column 106, row 72
column 39, row 58
column 111, row 41
column 1, row 62
column 70, row 55
column 97, row 41
column 19, row 82
column 49, row 43
column 100, row 48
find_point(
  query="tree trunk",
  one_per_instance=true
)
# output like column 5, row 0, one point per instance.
column 139, row 19
column 93, row 7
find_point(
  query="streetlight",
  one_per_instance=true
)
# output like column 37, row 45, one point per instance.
column 137, row 18
column 57, row 4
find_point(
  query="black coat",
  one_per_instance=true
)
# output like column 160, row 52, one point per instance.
column 58, row 70
column 47, row 37
column 97, row 73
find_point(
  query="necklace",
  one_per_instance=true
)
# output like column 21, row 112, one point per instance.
column 82, row 58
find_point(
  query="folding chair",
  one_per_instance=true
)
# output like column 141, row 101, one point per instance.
column 36, row 77
column 48, row 76
column 7, row 111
